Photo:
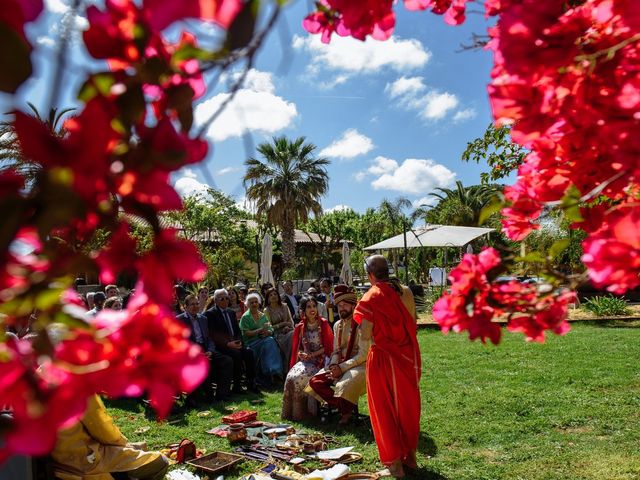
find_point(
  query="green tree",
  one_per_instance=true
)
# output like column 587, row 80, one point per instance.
column 332, row 228
column 286, row 186
column 461, row 205
column 497, row 150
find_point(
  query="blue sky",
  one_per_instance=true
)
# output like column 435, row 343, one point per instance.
column 393, row 117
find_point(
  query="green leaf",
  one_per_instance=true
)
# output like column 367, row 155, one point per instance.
column 558, row 247
column 532, row 257
column 15, row 63
column 570, row 204
column 494, row 206
column 100, row 83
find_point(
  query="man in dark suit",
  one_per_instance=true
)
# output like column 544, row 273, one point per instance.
column 220, row 365
column 225, row 333
column 291, row 300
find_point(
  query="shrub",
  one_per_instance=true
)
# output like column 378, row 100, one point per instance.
column 607, row 306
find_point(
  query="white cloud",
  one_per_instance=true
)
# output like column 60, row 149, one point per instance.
column 466, row 114
column 414, row 176
column 429, row 201
column 227, row 170
column 432, row 105
column 437, row 105
column 255, row 108
column 405, row 86
column 255, row 80
column 45, row 41
column 57, row 6
column 338, row 208
column 189, row 173
column 350, row 145
column 187, row 186
column 349, row 55
column 333, row 82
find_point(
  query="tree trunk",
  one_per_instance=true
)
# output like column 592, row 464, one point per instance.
column 288, row 246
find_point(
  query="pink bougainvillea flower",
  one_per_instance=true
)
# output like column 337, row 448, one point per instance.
column 112, row 33
column 15, row 13
column 119, row 256
column 154, row 354
column 612, row 253
column 42, row 399
column 162, row 13
column 83, row 154
column 549, row 313
column 170, row 259
column 141, row 190
column 320, row 22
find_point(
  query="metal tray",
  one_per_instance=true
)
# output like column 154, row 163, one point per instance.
column 215, row 462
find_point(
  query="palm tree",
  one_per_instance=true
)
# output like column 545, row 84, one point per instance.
column 286, row 186
column 461, row 205
column 11, row 154
column 392, row 210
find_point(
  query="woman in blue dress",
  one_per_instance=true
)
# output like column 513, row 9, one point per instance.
column 257, row 334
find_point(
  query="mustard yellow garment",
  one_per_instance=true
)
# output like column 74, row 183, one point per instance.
column 94, row 447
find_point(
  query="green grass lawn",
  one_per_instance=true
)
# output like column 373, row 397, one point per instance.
column 566, row 409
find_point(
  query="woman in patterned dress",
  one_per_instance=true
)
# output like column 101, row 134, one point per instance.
column 280, row 318
column 312, row 346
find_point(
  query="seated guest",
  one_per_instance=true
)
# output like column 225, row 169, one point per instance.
column 263, row 291
column 258, row 335
column 291, row 300
column 98, row 303
column 111, row 291
column 235, row 303
column 112, row 303
column 312, row 346
column 220, row 366
column 346, row 370
column 94, row 448
column 227, row 337
column 281, row 323
column 322, row 308
column 242, row 290
column 326, row 297
column 203, row 298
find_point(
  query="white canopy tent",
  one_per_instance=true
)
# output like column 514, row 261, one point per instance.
column 432, row 236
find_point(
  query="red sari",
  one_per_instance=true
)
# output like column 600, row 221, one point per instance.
column 325, row 333
column 393, row 373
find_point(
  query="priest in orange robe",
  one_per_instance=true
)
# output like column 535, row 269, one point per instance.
column 387, row 314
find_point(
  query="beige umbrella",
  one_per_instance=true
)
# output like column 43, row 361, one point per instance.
column 265, row 261
column 346, row 276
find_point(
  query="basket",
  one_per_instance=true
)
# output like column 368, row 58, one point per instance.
column 215, row 462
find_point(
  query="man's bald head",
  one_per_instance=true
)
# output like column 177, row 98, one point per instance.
column 377, row 266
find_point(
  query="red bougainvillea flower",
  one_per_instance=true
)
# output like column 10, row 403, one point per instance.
column 612, row 253
column 81, row 158
column 170, row 259
column 320, row 22
column 549, row 313
column 113, row 33
column 453, row 10
column 152, row 352
column 162, row 13
column 356, row 19
column 119, row 256
column 22, row 264
column 42, row 400
column 474, row 302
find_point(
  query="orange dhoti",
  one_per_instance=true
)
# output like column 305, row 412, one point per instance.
column 394, row 405
column 393, row 373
